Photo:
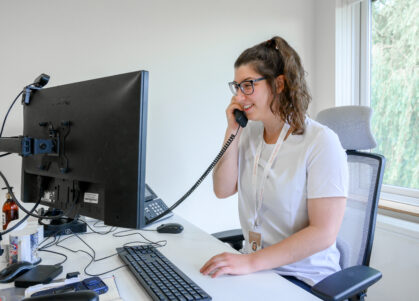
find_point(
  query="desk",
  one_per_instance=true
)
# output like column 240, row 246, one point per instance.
column 188, row 250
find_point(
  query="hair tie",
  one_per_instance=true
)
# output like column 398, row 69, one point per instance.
column 272, row 44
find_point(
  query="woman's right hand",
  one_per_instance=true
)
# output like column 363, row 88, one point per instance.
column 231, row 119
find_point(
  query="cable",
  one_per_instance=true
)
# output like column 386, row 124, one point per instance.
column 204, row 175
column 49, row 244
column 93, row 257
column 30, row 212
column 57, row 241
column 8, row 111
column 5, row 154
column 100, row 226
column 64, row 214
column 112, row 229
column 39, row 82
column 21, row 221
column 58, row 253
column 160, row 243
column 25, row 217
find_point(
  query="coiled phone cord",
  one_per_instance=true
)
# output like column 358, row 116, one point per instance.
column 204, row 175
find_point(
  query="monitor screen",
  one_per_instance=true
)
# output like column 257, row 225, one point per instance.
column 100, row 130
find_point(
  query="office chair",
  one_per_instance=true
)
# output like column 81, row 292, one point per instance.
column 355, row 238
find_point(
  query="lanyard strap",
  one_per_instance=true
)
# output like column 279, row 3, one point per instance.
column 259, row 196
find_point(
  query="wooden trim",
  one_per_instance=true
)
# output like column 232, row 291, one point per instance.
column 399, row 207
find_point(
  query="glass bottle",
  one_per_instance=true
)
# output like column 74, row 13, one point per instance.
column 10, row 210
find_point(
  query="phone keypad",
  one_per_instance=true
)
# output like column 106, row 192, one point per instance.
column 154, row 208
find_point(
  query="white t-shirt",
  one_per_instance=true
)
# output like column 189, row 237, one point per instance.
column 312, row 165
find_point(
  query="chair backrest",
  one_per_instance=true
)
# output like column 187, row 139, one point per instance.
column 352, row 125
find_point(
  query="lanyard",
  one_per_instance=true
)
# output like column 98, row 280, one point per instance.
column 259, row 196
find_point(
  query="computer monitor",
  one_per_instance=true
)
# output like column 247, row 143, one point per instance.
column 101, row 126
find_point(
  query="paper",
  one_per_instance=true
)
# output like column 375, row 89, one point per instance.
column 112, row 294
column 12, row 294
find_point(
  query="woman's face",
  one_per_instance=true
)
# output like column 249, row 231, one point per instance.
column 256, row 105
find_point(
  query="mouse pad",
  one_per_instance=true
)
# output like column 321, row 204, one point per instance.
column 39, row 274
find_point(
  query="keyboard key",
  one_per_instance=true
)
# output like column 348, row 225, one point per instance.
column 188, row 297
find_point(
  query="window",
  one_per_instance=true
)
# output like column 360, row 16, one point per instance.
column 395, row 91
column 377, row 64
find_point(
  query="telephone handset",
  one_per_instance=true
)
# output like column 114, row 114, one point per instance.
column 242, row 121
column 240, row 118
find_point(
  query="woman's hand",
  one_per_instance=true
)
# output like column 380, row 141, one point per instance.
column 231, row 120
column 228, row 263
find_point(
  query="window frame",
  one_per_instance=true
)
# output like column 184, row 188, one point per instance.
column 353, row 29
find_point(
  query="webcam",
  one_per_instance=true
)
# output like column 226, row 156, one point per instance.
column 38, row 84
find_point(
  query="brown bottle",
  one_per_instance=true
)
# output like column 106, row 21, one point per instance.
column 10, row 210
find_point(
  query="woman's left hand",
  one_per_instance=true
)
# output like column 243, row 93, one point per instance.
column 228, row 263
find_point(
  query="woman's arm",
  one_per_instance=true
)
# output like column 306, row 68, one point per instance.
column 325, row 217
column 225, row 174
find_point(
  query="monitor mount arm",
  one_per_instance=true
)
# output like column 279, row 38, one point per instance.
column 27, row 146
column 53, row 148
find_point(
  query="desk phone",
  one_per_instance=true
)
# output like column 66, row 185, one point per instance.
column 153, row 205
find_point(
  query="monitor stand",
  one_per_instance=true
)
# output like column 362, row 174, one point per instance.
column 61, row 226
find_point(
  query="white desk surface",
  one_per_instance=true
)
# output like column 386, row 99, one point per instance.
column 189, row 251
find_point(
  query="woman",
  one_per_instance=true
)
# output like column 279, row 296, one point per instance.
column 290, row 172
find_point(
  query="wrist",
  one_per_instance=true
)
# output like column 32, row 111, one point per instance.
column 232, row 130
column 253, row 262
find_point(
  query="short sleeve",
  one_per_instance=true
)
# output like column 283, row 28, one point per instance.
column 327, row 167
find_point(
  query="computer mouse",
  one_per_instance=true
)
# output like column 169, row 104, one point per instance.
column 170, row 228
column 14, row 270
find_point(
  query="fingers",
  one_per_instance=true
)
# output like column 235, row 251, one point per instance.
column 218, row 265
column 232, row 107
column 212, row 264
column 234, row 100
column 221, row 271
column 213, row 269
column 234, row 104
column 230, row 113
column 228, row 263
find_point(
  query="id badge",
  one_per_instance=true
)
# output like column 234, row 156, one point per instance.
column 255, row 241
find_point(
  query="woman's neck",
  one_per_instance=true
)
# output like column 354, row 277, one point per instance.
column 272, row 129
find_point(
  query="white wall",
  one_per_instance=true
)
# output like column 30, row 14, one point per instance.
column 395, row 255
column 188, row 46
column 324, row 60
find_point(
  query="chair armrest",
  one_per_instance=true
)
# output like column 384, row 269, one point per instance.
column 229, row 235
column 233, row 237
column 346, row 283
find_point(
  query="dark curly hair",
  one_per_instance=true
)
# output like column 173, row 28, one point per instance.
column 271, row 59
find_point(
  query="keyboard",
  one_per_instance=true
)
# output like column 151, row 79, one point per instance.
column 161, row 278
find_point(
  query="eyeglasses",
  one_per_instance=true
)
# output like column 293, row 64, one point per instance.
column 247, row 86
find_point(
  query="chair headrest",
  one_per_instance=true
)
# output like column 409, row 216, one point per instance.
column 352, row 124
